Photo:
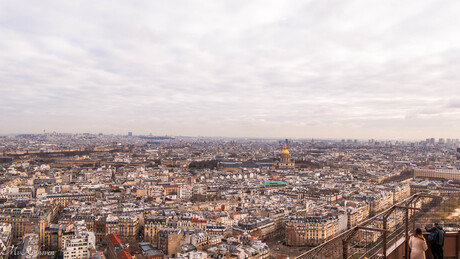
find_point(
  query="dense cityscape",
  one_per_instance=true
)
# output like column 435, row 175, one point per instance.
column 143, row 196
column 229, row 129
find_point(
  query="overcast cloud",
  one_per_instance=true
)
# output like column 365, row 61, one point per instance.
column 329, row 69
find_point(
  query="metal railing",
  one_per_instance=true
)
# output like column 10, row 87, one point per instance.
column 377, row 236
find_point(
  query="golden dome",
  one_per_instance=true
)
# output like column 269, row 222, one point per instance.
column 285, row 150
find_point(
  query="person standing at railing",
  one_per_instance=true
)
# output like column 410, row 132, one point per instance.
column 417, row 245
column 436, row 238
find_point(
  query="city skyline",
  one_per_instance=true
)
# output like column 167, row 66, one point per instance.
column 268, row 69
column 281, row 140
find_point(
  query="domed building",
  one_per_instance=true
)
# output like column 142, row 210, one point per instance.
column 285, row 159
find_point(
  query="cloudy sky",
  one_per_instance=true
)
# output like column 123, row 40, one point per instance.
column 321, row 69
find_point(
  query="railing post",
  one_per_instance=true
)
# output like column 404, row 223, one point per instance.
column 344, row 249
column 407, row 235
column 458, row 244
column 413, row 214
column 384, row 236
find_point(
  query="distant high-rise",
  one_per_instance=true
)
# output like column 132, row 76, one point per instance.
column 130, row 134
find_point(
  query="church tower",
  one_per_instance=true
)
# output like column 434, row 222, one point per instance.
column 285, row 159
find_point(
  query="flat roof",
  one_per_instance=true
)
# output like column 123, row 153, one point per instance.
column 275, row 183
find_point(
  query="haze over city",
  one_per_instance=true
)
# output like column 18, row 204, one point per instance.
column 295, row 69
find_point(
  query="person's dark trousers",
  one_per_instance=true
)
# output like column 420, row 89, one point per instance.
column 437, row 252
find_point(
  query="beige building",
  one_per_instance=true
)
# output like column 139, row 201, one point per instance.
column 310, row 230
column 151, row 228
column 128, row 228
column 66, row 199
column 78, row 245
column 357, row 214
column 401, row 192
column 169, row 239
column 380, row 201
column 448, row 174
column 257, row 227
